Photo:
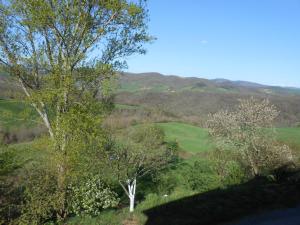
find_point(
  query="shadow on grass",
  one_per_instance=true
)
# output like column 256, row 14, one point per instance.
column 225, row 205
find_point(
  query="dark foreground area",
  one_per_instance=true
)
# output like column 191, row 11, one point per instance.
column 289, row 216
column 224, row 205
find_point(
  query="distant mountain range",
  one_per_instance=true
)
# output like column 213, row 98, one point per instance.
column 132, row 82
column 194, row 98
column 188, row 99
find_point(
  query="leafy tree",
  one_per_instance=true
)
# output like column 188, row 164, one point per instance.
column 64, row 55
column 250, row 131
column 142, row 153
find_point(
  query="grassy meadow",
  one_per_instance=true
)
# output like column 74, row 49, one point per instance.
column 190, row 138
column 195, row 139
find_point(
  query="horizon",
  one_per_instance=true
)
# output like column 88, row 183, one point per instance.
column 211, row 79
column 255, row 41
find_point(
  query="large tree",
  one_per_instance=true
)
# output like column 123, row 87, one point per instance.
column 63, row 54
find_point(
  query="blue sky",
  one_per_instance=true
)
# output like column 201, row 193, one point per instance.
column 253, row 40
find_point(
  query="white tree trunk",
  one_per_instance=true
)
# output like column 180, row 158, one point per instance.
column 131, row 207
column 131, row 194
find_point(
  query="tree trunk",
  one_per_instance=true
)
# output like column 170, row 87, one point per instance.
column 131, row 194
column 131, row 207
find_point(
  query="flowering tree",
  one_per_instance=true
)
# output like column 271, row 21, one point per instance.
column 249, row 129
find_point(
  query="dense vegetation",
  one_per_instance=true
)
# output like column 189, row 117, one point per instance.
column 77, row 149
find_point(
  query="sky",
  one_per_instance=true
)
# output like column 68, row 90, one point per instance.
column 251, row 40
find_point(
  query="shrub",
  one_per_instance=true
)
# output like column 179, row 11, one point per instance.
column 202, row 177
column 167, row 182
column 235, row 174
column 91, row 196
column 226, row 164
column 149, row 135
column 42, row 198
column 10, row 189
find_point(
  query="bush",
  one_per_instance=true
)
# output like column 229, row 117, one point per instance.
column 235, row 174
column 202, row 177
column 91, row 196
column 149, row 135
column 226, row 164
column 167, row 182
column 42, row 198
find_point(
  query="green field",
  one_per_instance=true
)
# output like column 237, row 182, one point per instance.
column 290, row 136
column 195, row 139
column 190, row 138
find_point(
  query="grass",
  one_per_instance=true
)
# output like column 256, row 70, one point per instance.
column 290, row 136
column 195, row 139
column 123, row 106
column 190, row 138
column 16, row 114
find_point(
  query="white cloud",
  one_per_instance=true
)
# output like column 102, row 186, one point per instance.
column 204, row 42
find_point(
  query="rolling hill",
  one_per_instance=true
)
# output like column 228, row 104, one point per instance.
column 132, row 82
column 192, row 99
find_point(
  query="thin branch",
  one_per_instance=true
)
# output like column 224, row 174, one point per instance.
column 124, row 188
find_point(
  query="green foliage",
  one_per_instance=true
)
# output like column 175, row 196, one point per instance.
column 68, row 85
column 91, row 196
column 42, row 197
column 149, row 135
column 173, row 146
column 140, row 151
column 167, row 181
column 107, row 217
column 235, row 174
column 7, row 160
column 10, row 190
column 201, row 177
column 154, row 199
